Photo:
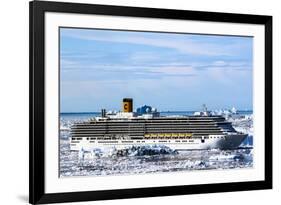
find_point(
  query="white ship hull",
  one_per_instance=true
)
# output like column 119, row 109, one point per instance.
column 212, row 142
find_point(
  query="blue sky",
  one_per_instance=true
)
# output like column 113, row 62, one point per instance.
column 165, row 70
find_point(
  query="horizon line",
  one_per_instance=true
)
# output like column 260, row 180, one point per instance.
column 87, row 112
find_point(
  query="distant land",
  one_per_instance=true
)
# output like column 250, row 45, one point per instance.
column 165, row 111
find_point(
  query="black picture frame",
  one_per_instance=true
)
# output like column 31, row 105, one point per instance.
column 37, row 10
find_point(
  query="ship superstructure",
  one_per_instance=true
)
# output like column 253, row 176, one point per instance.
column 147, row 127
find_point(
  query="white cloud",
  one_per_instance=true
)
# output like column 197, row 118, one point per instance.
column 187, row 46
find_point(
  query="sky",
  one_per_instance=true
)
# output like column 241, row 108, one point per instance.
column 169, row 71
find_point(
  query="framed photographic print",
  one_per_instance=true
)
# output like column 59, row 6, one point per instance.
column 140, row 102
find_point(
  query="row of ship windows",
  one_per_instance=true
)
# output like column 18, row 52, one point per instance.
column 216, row 137
column 93, row 138
column 136, row 141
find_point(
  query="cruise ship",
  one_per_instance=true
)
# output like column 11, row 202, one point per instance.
column 144, row 127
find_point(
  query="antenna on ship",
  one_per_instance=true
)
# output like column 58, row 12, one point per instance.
column 205, row 108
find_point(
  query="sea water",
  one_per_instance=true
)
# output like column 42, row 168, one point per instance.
column 152, row 159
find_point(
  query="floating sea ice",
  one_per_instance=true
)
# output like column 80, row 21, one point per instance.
column 230, row 157
column 193, row 164
column 64, row 128
column 96, row 153
column 81, row 156
column 134, row 151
